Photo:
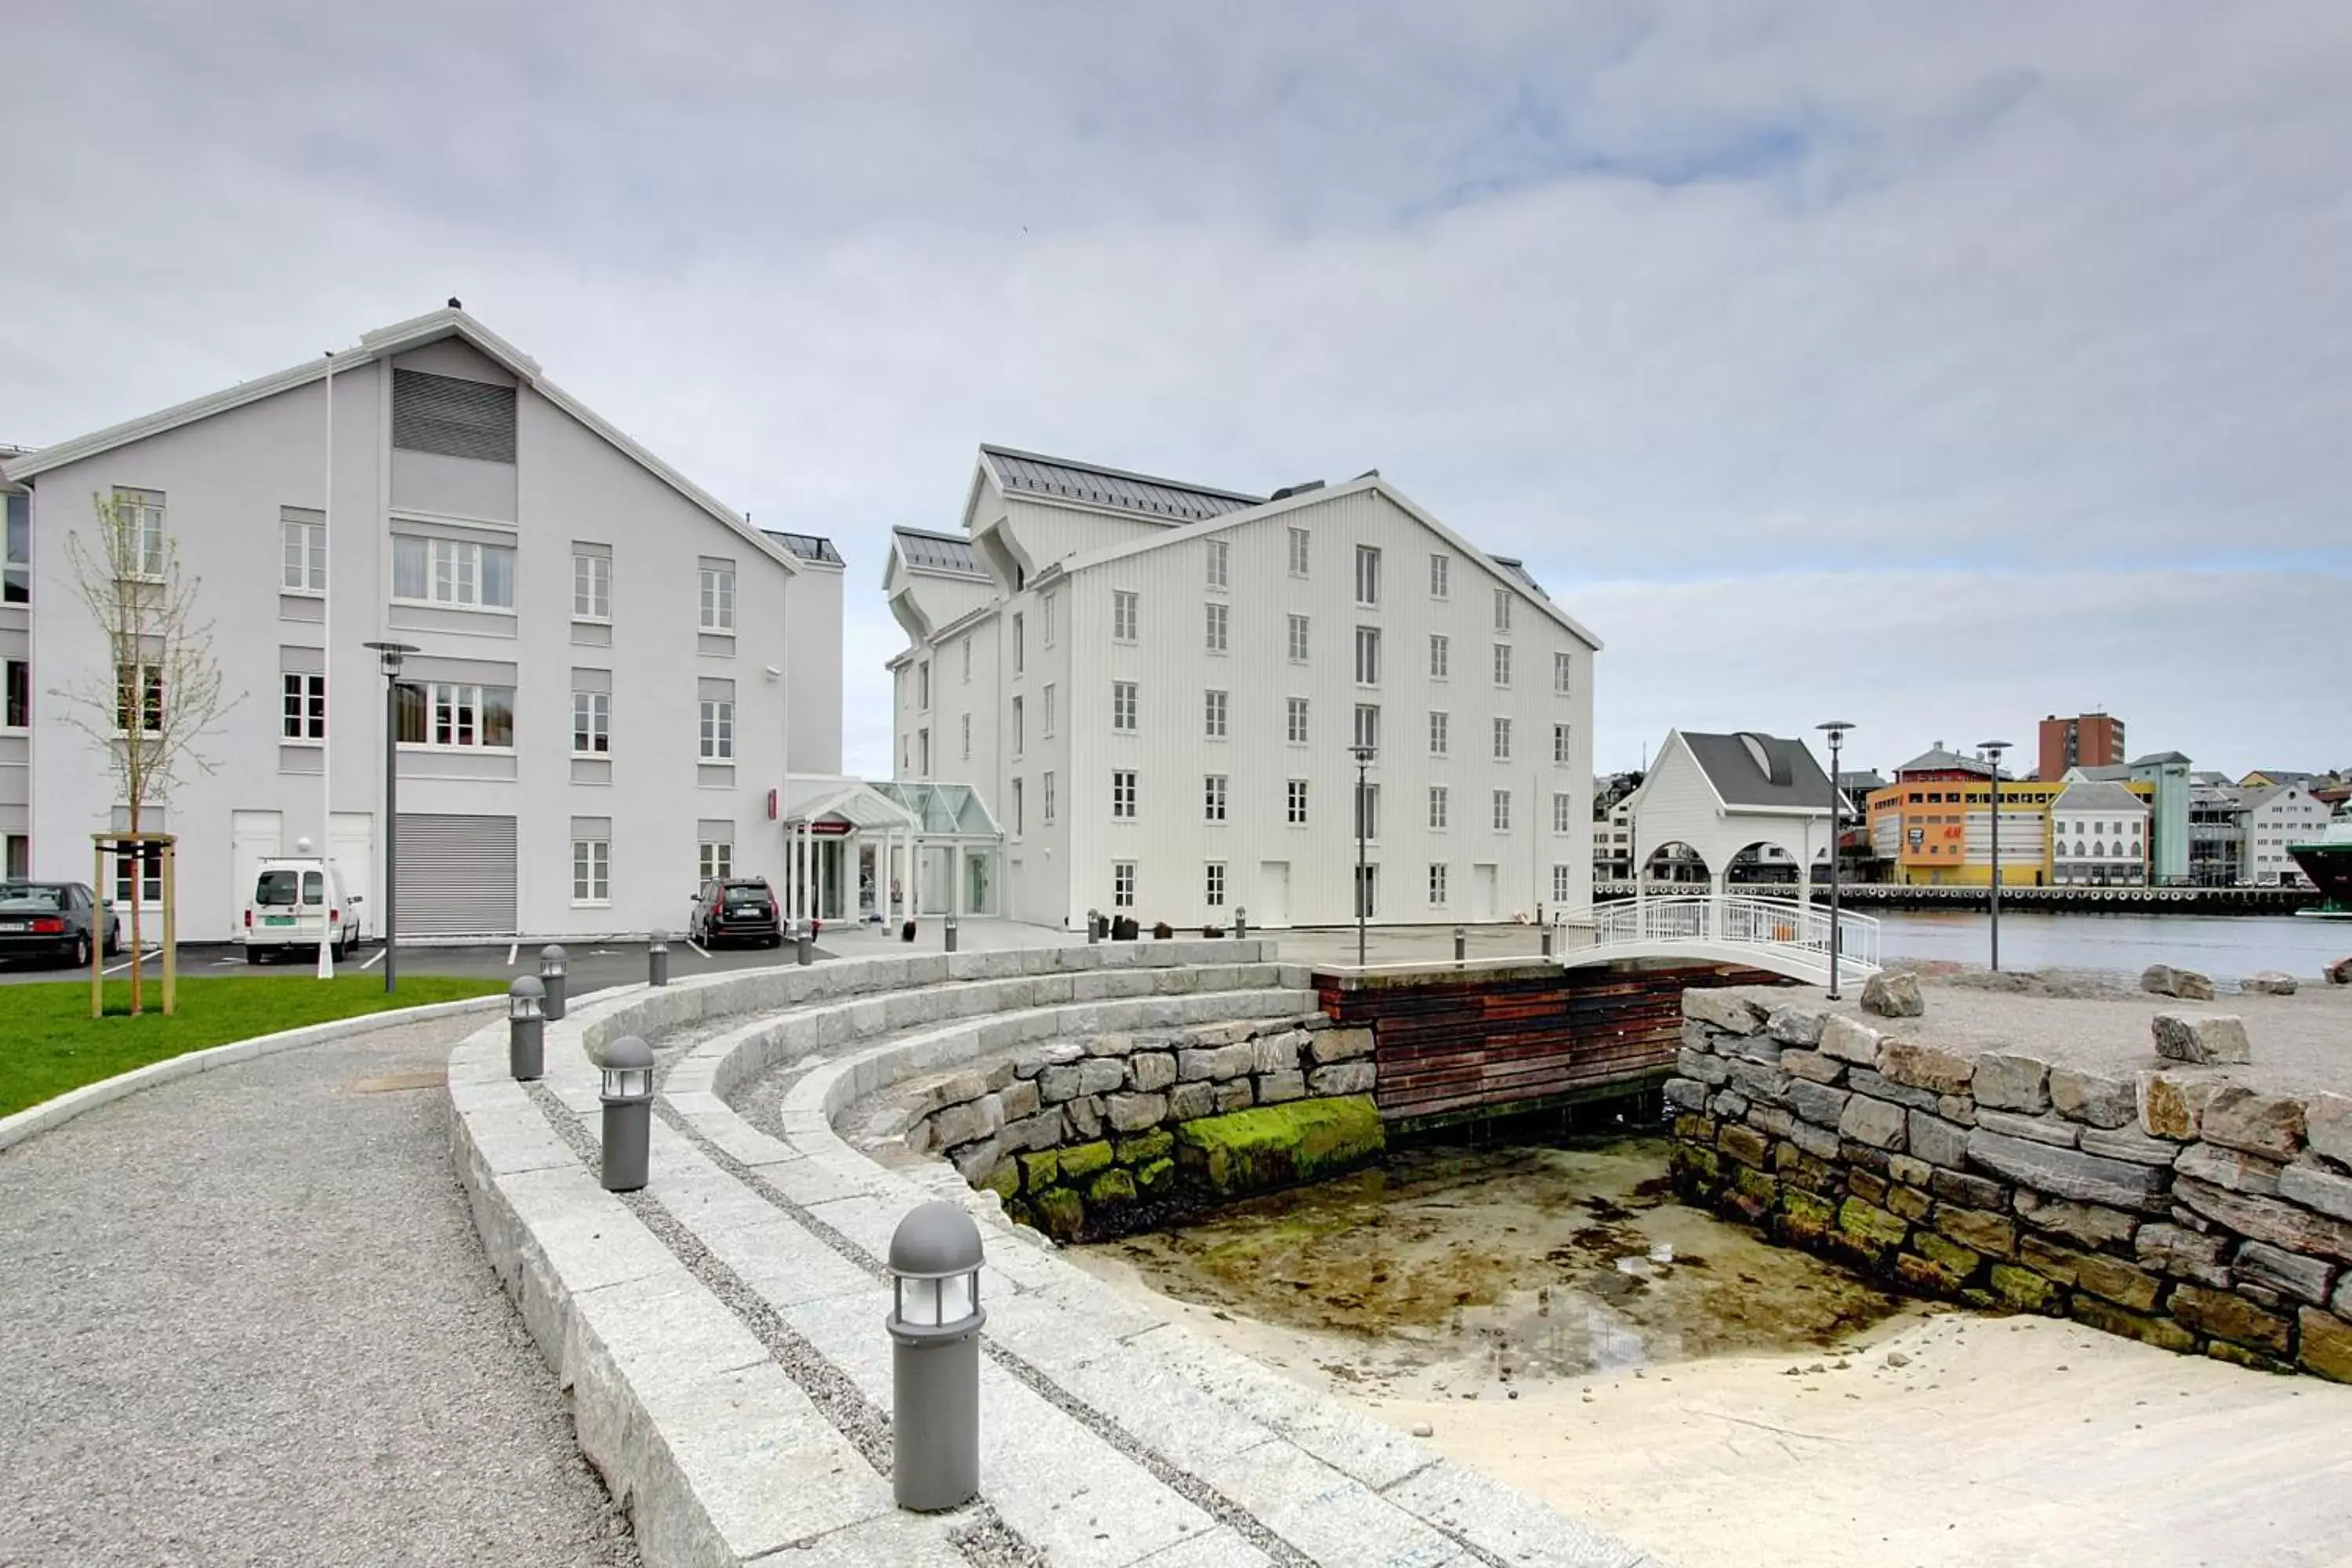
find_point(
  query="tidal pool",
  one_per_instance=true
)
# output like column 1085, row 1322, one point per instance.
column 1521, row 1262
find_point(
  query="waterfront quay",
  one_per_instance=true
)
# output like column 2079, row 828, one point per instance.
column 2262, row 901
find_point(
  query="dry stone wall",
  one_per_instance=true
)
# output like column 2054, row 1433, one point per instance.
column 2174, row 1206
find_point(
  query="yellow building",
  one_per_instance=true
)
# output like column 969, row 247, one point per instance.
column 1934, row 823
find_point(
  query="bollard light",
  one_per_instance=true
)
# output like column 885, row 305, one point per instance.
column 1546, row 942
column 1094, row 927
column 804, row 942
column 526, row 1029
column 1241, row 923
column 1461, row 943
column 952, row 931
column 553, row 962
column 628, row 1100
column 657, row 959
column 934, row 1326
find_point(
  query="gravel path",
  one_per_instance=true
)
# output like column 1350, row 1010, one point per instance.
column 244, row 1318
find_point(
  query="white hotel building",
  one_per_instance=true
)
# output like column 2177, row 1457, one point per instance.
column 615, row 669
column 1156, row 687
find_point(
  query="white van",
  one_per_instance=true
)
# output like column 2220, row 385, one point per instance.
column 299, row 904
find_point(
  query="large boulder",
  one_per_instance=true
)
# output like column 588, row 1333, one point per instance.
column 2164, row 979
column 1279, row 1146
column 2339, row 972
column 1893, row 994
column 2218, row 1040
column 2270, row 983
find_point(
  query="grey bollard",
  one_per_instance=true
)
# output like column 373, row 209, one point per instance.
column 934, row 1326
column 1461, row 943
column 629, row 1097
column 553, row 964
column 1241, row 923
column 952, row 931
column 1094, row 927
column 804, row 945
column 526, row 1029
column 657, row 959
column 1546, row 942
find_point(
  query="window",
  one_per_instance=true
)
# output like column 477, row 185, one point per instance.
column 923, row 686
column 1502, row 740
column 20, row 695
column 1368, row 656
column 1122, row 706
column 1441, row 656
column 1295, row 802
column 1368, row 810
column 1368, row 725
column 451, row 714
column 1437, row 885
column 965, row 646
column 592, row 870
column 139, row 515
column 1046, row 728
column 1020, row 726
column 1212, row 788
column 1298, row 552
column 1020, row 646
column 19, row 589
column 1124, row 616
column 1297, row 720
column 1220, row 563
column 1441, row 576
column 1122, row 795
column 452, row 572
column 1215, row 888
column 591, row 587
column 591, row 723
column 1298, row 639
column 1502, row 811
column 139, row 694
column 1440, row 727
column 1440, row 807
column 714, row 859
column 303, row 556
column 1219, row 626
column 923, row 749
column 1502, row 664
column 1563, row 812
column 1562, row 751
column 1368, row 884
column 1563, row 884
column 1213, row 718
column 147, row 867
column 1502, row 609
column 1122, row 884
column 1563, row 673
column 1368, row 575
column 1045, row 617
column 1019, row 822
column 1045, row 797
column 964, row 723
column 719, row 599
column 305, row 716
column 453, row 416
column 719, row 734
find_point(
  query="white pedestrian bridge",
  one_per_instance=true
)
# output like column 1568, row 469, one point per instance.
column 1779, row 934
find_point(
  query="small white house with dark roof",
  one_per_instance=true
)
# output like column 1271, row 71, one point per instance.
column 1736, row 805
column 2098, row 833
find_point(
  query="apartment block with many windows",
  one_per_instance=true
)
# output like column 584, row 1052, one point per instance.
column 1170, row 680
column 613, row 669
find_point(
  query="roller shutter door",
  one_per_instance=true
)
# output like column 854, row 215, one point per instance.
column 457, row 875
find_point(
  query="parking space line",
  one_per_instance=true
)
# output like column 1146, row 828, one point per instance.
column 373, row 958
column 697, row 947
column 512, row 948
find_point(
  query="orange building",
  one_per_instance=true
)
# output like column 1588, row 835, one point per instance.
column 1934, row 823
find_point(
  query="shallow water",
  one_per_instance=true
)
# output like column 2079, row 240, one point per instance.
column 2227, row 947
column 1501, row 1262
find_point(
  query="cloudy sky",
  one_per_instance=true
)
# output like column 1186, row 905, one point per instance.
column 1932, row 367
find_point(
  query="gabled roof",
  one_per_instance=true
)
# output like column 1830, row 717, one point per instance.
column 1748, row 770
column 2278, row 776
column 2109, row 772
column 2096, row 794
column 1090, row 484
column 926, row 551
column 1937, row 760
column 2156, row 759
column 383, row 343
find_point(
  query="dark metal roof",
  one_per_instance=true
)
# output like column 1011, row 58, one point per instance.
column 806, row 546
column 939, row 552
column 1935, row 759
column 2157, row 758
column 1518, row 569
column 1169, row 500
column 1751, row 769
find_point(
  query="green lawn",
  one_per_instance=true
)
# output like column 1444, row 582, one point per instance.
column 49, row 1042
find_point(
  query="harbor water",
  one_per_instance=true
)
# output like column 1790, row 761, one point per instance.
column 2226, row 947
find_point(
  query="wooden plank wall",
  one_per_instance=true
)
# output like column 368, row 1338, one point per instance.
column 1451, row 1045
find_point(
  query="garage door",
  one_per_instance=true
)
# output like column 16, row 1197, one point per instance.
column 457, row 875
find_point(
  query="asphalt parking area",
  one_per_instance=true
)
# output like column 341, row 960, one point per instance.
column 593, row 965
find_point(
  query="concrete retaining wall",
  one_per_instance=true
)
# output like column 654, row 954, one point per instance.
column 2175, row 1207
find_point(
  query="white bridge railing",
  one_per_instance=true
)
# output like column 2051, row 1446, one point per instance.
column 1796, row 933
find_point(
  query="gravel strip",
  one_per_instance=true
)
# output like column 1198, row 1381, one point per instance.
column 246, row 1319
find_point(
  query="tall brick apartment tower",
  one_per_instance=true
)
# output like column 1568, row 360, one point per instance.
column 2085, row 740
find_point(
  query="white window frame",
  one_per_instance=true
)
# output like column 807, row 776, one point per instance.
column 1214, row 790
column 1441, row 576
column 715, row 731
column 303, row 710
column 1368, row 656
column 1122, row 795
column 1126, row 707
column 1441, row 656
column 592, row 588
column 592, row 873
column 1437, row 881
column 1563, row 812
column 1046, row 794
column 964, row 723
column 1441, row 809
column 1122, row 884
column 142, row 517
column 1300, row 552
column 1503, row 610
column 1296, row 711
column 1020, row 728
column 1213, row 884
column 591, row 723
column 302, row 557
column 7, row 693
column 1020, row 645
column 1294, row 803
column 1367, row 811
column 1045, row 619
column 1563, row 673
column 1126, row 614
column 1502, row 738
column 1216, row 714
column 1563, row 884
column 1501, row 810
column 1441, row 733
column 1220, row 565
column 1045, row 726
column 465, row 704
column 714, row 859
column 1301, row 647
column 1502, row 666
column 457, row 572
column 1218, row 628
column 1367, row 576
column 1564, row 745
column 716, row 600
column 1368, row 725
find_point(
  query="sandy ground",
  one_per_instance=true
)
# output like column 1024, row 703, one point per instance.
column 1993, row 1441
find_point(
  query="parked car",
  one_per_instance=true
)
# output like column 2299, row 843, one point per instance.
column 54, row 920
column 729, row 909
column 299, row 903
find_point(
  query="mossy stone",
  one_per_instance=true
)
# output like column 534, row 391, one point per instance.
column 1020, row 1213
column 2161, row 1332
column 1273, row 1146
column 1152, row 1176
column 1041, row 1171
column 1082, row 1160
column 1061, row 1212
column 1808, row 1208
column 1694, row 1167
column 1004, row 1179
column 1946, row 1254
column 1928, row 1279
column 1868, row 1222
column 1755, row 1185
column 2025, row 1290
column 1144, row 1147
column 1114, row 1186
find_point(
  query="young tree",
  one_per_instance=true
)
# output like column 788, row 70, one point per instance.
column 160, row 690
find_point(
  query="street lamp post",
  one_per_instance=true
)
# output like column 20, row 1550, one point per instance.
column 389, row 655
column 1993, row 749
column 1836, row 728
column 1363, row 755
